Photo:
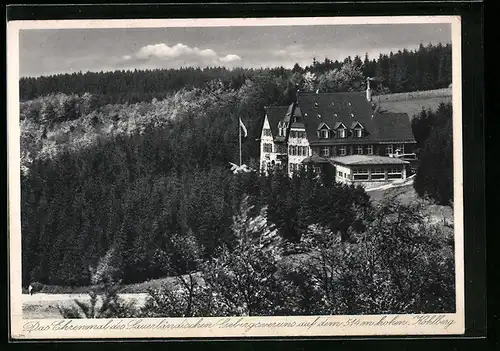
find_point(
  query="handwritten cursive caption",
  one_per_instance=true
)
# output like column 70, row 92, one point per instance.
column 234, row 323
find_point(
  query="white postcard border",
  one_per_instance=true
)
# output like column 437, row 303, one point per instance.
column 438, row 324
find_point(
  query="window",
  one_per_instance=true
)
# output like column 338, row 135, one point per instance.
column 302, row 135
column 358, row 132
column 267, row 132
column 282, row 126
column 317, row 169
column 299, row 151
column 378, row 173
column 360, row 173
column 369, row 150
column 268, row 147
column 401, row 148
column 324, row 134
column 394, row 173
column 325, row 151
column 342, row 150
column 359, row 150
column 341, row 133
column 388, row 149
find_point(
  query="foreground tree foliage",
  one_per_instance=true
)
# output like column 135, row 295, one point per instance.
column 369, row 275
column 363, row 276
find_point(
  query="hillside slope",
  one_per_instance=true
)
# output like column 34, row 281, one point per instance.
column 412, row 103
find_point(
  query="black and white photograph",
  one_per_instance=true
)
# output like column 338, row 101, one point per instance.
column 237, row 177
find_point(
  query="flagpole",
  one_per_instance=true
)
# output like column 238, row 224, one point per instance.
column 239, row 133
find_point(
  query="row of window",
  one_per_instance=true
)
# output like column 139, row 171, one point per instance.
column 341, row 133
column 294, row 150
column 267, row 132
column 279, row 148
column 389, row 149
column 327, row 151
column 342, row 150
column 376, row 170
column 298, row 134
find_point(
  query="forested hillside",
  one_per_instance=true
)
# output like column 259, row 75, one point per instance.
column 427, row 68
column 132, row 169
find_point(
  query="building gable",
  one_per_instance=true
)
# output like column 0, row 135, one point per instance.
column 275, row 115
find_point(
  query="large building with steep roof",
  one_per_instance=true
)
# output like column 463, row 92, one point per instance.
column 332, row 125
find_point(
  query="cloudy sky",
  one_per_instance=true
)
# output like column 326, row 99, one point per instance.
column 52, row 51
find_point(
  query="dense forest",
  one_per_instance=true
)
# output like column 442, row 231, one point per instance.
column 433, row 131
column 129, row 171
column 428, row 67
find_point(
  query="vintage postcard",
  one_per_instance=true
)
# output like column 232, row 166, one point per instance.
column 211, row 178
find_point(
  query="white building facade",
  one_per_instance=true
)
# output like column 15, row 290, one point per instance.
column 298, row 147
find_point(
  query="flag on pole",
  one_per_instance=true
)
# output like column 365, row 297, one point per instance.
column 245, row 132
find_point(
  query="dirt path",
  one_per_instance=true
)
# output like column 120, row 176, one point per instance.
column 44, row 306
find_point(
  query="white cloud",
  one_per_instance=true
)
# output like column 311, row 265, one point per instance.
column 230, row 58
column 280, row 52
column 164, row 51
column 180, row 53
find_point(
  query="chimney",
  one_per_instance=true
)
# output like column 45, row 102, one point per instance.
column 368, row 90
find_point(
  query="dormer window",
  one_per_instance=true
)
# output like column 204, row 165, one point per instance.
column 323, row 131
column 358, row 130
column 341, row 130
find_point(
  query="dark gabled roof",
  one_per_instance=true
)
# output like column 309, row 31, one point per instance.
column 393, row 126
column 275, row 114
column 348, row 109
